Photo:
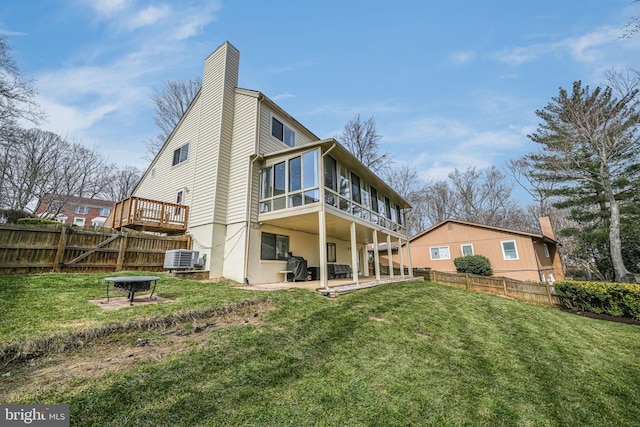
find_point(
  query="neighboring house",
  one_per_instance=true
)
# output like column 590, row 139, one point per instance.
column 80, row 211
column 255, row 185
column 515, row 254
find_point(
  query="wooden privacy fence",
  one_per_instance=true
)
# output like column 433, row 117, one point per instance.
column 530, row 292
column 45, row 248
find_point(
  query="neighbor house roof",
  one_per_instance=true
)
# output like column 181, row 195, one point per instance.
column 487, row 227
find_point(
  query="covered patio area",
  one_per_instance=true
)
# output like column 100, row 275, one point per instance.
column 334, row 288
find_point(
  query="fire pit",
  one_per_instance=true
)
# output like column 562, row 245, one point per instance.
column 131, row 285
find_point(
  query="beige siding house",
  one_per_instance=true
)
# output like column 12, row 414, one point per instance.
column 515, row 254
column 258, row 185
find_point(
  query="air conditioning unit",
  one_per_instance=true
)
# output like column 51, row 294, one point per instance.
column 180, row 259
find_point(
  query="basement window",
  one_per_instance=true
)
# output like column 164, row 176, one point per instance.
column 274, row 247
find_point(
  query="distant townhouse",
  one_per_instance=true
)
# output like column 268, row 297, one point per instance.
column 80, row 211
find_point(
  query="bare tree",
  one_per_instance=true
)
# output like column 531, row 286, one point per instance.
column 170, row 105
column 17, row 94
column 122, row 182
column 537, row 184
column 406, row 182
column 633, row 26
column 31, row 171
column 481, row 196
column 41, row 165
column 362, row 139
column 440, row 202
column 17, row 102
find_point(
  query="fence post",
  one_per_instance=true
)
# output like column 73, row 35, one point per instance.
column 504, row 285
column 548, row 288
column 62, row 244
column 121, row 252
column 466, row 281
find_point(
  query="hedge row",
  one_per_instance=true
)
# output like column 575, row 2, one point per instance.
column 615, row 299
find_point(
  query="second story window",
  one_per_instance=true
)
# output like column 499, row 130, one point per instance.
column 82, row 209
column 181, row 154
column 283, row 132
column 105, row 211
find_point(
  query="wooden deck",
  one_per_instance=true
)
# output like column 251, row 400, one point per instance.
column 149, row 215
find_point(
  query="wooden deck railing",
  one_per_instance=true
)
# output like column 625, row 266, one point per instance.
column 153, row 215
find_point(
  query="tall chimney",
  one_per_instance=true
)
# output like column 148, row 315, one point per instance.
column 546, row 227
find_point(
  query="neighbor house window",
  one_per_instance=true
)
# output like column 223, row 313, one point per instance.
column 274, row 247
column 546, row 250
column 82, row 209
column 467, row 249
column 441, row 252
column 54, row 207
column 282, row 132
column 78, row 221
column 509, row 250
column 97, row 222
column 181, row 154
column 331, row 252
column 105, row 211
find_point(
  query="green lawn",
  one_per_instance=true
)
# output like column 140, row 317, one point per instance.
column 400, row 354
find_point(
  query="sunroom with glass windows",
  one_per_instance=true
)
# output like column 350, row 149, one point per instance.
column 321, row 196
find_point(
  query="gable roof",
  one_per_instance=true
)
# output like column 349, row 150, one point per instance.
column 486, row 227
column 74, row 200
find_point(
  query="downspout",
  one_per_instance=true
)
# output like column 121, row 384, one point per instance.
column 256, row 155
column 330, row 148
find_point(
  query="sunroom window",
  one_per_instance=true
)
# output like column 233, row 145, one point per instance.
column 290, row 183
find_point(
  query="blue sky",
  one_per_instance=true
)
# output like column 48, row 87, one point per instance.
column 450, row 84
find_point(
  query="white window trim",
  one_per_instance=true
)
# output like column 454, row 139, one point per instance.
column 82, row 209
column 284, row 131
column 173, row 153
column 462, row 248
column 439, row 247
column 79, row 221
column 504, row 254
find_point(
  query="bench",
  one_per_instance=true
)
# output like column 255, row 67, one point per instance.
column 339, row 271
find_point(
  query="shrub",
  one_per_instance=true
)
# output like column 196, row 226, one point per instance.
column 615, row 299
column 474, row 264
column 12, row 216
column 37, row 221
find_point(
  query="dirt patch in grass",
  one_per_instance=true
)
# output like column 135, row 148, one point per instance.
column 118, row 353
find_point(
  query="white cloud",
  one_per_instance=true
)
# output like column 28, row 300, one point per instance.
column 462, row 57
column 435, row 146
column 365, row 110
column 520, row 55
column 71, row 119
column 149, row 16
column 107, row 8
column 592, row 46
column 282, row 96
